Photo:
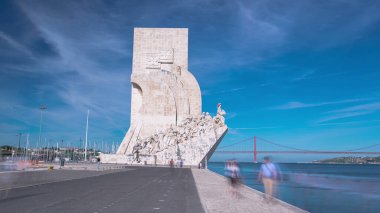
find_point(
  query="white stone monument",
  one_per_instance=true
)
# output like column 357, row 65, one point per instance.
column 166, row 106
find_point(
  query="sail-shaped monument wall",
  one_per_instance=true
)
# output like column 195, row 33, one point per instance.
column 166, row 105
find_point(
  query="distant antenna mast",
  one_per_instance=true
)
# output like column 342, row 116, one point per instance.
column 85, row 146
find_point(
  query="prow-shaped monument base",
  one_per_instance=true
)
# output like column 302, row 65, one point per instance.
column 191, row 142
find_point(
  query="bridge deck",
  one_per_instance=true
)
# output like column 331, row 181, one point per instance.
column 297, row 152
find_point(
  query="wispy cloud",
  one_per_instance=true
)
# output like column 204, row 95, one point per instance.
column 255, row 128
column 303, row 76
column 216, row 92
column 75, row 55
column 363, row 109
column 300, row 105
column 15, row 44
column 348, row 123
column 91, row 72
column 231, row 115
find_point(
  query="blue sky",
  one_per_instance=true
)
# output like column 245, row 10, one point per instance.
column 299, row 73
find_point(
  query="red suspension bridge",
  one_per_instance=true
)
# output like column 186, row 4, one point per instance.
column 249, row 146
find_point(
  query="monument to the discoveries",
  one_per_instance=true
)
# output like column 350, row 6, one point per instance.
column 166, row 106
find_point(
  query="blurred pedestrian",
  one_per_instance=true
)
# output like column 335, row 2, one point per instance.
column 228, row 174
column 62, row 163
column 268, row 175
column 227, row 169
column 235, row 171
column 232, row 172
column 98, row 162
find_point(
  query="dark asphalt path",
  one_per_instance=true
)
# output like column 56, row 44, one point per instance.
column 27, row 178
column 138, row 190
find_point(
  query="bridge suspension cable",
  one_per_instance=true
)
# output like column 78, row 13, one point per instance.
column 283, row 146
column 366, row 147
column 241, row 149
column 241, row 141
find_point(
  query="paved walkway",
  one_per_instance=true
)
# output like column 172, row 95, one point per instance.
column 17, row 179
column 214, row 195
column 140, row 189
column 136, row 189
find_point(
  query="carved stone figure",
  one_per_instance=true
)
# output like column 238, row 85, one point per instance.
column 200, row 127
column 219, row 118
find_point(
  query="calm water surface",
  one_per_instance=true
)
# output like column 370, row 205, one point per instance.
column 321, row 187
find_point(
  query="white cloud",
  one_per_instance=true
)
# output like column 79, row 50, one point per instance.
column 254, row 128
column 82, row 77
column 218, row 92
column 300, row 105
column 348, row 123
column 89, row 35
column 306, row 75
column 363, row 109
column 15, row 44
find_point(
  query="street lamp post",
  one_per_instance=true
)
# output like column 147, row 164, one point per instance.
column 42, row 108
column 62, row 149
column 19, row 141
column 85, row 146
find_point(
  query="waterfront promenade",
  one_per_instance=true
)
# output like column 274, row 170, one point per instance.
column 213, row 192
column 133, row 189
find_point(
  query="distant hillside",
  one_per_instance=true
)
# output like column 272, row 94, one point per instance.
column 358, row 160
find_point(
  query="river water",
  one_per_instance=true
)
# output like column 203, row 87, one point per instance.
column 321, row 187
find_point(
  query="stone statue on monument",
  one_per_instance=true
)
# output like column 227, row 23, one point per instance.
column 220, row 113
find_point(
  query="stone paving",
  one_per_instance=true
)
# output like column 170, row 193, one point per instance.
column 215, row 197
column 136, row 189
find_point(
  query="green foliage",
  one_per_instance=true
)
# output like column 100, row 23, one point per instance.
column 357, row 160
column 6, row 147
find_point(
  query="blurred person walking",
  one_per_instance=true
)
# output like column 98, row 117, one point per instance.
column 227, row 169
column 98, row 162
column 232, row 172
column 268, row 175
column 228, row 174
